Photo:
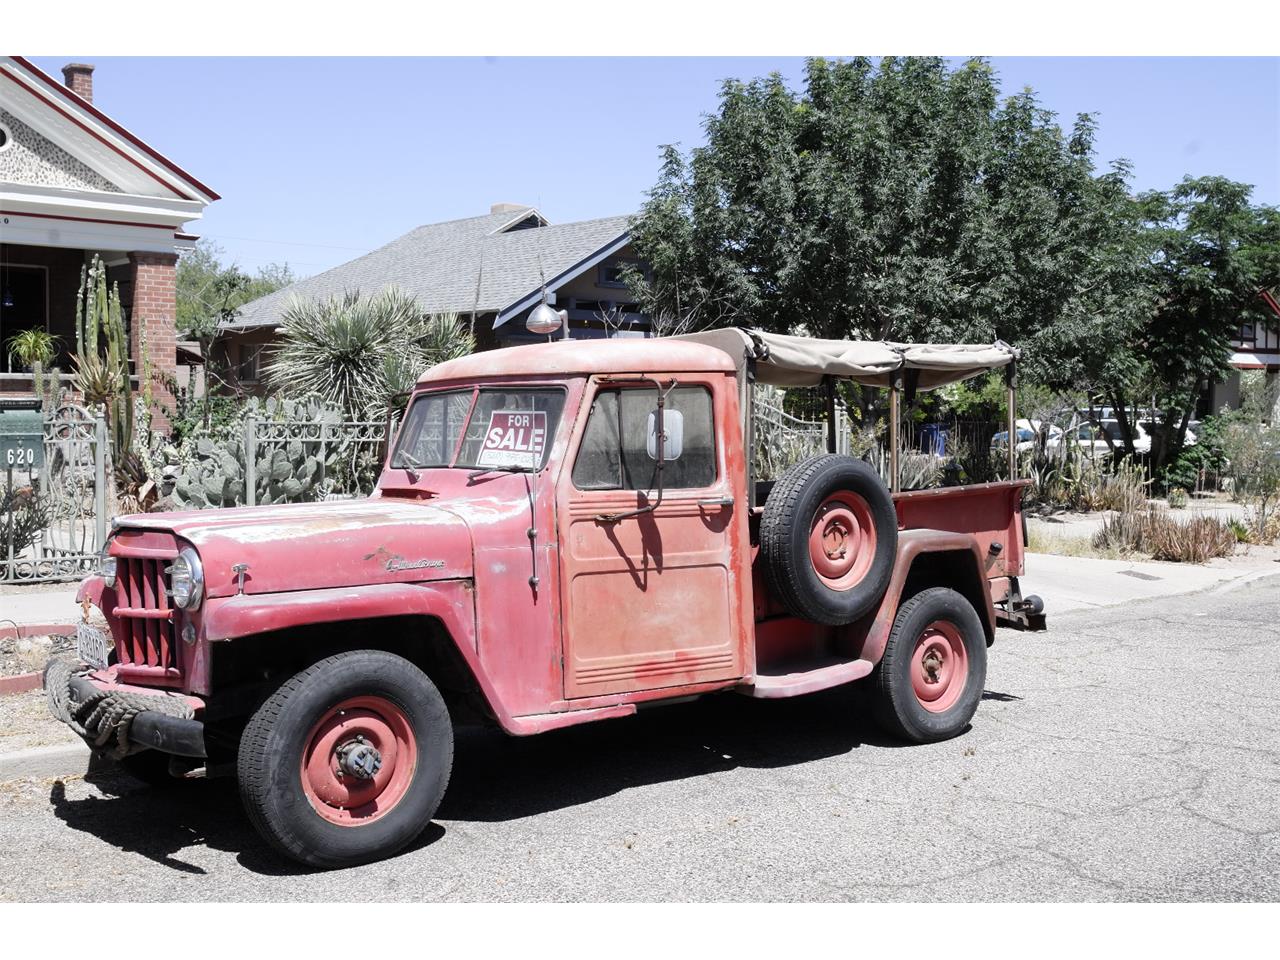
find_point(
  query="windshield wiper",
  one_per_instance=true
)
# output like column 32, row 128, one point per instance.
column 413, row 465
column 483, row 470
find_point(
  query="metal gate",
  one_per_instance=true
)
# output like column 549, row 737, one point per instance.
column 781, row 440
column 54, row 510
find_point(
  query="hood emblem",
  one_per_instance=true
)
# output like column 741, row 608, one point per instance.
column 394, row 562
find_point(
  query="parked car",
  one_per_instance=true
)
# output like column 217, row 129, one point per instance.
column 1092, row 438
column 562, row 533
column 1026, row 430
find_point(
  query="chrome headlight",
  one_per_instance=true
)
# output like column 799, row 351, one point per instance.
column 186, row 579
column 107, row 566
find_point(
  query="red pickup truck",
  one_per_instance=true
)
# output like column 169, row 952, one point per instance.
column 561, row 533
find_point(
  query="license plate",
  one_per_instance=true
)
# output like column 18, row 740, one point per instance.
column 92, row 645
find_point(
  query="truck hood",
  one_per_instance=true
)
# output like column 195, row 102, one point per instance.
column 313, row 546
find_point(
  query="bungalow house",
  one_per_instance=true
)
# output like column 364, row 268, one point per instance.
column 1256, row 346
column 74, row 183
column 491, row 269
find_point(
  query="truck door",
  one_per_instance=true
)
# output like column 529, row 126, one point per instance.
column 648, row 601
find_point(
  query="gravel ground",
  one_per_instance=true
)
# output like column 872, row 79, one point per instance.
column 25, row 654
column 25, row 722
column 1127, row 754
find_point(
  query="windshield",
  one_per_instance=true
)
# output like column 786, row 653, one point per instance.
column 497, row 428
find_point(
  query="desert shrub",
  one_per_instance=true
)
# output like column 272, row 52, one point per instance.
column 361, row 352
column 1162, row 537
column 1195, row 541
column 1241, row 530
column 24, row 514
column 1178, row 498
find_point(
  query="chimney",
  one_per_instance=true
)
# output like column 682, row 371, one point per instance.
column 508, row 207
column 78, row 78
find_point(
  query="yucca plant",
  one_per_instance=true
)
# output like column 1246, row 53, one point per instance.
column 360, row 352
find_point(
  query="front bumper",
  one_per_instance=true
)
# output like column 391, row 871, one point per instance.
column 150, row 729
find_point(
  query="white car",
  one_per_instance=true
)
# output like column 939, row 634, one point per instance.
column 1093, row 439
column 1027, row 430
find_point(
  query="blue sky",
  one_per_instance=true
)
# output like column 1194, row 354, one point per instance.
column 319, row 160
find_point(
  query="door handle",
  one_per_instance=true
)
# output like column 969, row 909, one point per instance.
column 716, row 502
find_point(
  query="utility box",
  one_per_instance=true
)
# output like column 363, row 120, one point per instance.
column 21, row 440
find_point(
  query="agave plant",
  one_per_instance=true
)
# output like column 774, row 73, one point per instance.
column 359, row 352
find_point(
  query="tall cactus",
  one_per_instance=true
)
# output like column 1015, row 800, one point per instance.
column 102, row 353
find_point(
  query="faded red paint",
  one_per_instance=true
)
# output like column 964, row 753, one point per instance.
column 559, row 617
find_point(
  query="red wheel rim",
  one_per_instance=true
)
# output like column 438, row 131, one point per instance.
column 939, row 667
column 334, row 791
column 842, row 540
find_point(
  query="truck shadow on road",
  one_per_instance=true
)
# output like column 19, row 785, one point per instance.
column 498, row 778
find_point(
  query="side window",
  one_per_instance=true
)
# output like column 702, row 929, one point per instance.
column 614, row 451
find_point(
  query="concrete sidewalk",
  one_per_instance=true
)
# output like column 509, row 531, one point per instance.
column 37, row 605
column 1080, row 583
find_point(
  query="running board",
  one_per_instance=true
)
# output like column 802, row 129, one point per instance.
column 774, row 686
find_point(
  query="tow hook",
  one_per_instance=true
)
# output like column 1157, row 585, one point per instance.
column 359, row 758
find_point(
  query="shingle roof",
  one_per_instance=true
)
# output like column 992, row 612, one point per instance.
column 443, row 265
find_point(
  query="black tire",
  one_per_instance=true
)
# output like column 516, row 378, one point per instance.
column 790, row 513
column 269, row 763
column 896, row 706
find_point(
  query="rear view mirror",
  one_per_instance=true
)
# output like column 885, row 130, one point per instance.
column 673, row 427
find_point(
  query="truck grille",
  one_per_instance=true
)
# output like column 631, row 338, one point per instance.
column 146, row 634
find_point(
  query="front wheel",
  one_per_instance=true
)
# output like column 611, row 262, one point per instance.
column 930, row 679
column 347, row 761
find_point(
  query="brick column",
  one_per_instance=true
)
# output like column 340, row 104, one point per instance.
column 155, row 310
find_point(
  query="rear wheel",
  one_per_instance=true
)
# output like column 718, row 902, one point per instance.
column 930, row 679
column 348, row 760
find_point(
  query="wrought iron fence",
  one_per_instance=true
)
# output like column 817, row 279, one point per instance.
column 54, row 510
column 297, row 460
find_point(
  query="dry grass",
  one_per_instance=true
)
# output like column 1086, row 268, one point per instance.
column 1044, row 541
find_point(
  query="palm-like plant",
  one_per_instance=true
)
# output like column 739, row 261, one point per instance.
column 360, row 352
column 33, row 348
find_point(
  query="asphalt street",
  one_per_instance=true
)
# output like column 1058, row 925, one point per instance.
column 1127, row 754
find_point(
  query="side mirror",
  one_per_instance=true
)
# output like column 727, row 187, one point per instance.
column 672, row 425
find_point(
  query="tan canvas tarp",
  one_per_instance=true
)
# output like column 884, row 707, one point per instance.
column 788, row 361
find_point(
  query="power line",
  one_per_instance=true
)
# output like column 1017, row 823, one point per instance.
column 285, row 243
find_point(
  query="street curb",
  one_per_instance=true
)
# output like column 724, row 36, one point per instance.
column 20, row 630
column 62, row 760
column 21, row 683
column 1229, row 585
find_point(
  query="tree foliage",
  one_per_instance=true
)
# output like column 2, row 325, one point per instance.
column 897, row 201
column 209, row 292
column 1210, row 252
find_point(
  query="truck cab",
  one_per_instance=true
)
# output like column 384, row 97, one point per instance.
column 560, row 533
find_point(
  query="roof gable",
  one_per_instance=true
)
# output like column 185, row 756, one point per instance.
column 36, row 160
column 478, row 264
column 91, row 138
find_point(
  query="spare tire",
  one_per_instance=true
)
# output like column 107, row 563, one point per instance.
column 828, row 538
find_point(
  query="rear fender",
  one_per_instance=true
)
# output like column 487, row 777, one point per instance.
column 931, row 558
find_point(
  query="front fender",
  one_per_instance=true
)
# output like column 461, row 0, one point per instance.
column 450, row 601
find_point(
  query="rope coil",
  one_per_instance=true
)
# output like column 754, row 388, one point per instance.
column 107, row 715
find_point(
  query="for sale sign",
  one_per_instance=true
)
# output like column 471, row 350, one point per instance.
column 515, row 438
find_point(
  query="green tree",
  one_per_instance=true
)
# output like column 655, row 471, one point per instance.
column 1211, row 252
column 209, row 294
column 898, row 200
